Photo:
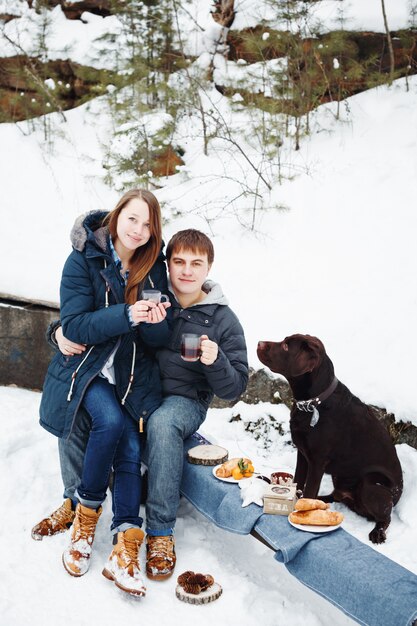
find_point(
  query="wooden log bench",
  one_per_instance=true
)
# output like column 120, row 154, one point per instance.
column 369, row 587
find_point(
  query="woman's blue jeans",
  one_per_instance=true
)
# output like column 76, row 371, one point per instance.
column 114, row 442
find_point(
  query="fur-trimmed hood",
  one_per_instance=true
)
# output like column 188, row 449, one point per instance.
column 89, row 226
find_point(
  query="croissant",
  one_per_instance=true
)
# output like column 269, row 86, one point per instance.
column 225, row 469
column 317, row 517
column 308, row 504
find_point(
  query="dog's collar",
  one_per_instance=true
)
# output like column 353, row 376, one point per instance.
column 310, row 406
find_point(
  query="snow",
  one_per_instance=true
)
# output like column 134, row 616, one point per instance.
column 336, row 260
column 256, row 588
column 77, row 39
column 358, row 14
column 64, row 39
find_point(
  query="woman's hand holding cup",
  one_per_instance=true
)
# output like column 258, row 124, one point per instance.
column 158, row 313
column 140, row 311
column 151, row 308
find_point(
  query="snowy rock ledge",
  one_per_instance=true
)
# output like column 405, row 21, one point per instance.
column 262, row 387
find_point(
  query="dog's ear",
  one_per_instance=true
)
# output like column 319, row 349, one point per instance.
column 309, row 356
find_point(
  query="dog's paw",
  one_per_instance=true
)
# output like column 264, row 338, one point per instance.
column 329, row 498
column 377, row 535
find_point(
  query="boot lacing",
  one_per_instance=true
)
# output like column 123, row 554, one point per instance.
column 132, row 553
column 85, row 528
column 61, row 516
column 160, row 547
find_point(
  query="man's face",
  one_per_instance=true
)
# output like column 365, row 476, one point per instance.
column 188, row 271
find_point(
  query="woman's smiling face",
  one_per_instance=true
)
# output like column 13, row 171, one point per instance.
column 133, row 226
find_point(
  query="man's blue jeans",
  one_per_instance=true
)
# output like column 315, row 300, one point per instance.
column 113, row 442
column 176, row 419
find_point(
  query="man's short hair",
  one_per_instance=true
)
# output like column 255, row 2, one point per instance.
column 193, row 240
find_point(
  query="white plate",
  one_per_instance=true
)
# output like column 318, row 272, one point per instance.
column 230, row 479
column 310, row 528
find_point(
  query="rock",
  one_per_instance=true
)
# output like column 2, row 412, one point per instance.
column 24, row 93
column 24, row 352
column 166, row 162
column 74, row 10
column 262, row 387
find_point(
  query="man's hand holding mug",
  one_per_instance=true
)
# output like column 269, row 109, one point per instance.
column 196, row 347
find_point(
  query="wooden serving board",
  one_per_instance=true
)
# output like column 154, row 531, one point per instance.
column 204, row 597
column 207, row 454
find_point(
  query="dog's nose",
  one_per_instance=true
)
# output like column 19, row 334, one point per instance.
column 262, row 345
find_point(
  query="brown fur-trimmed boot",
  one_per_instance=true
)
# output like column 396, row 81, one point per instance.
column 58, row 522
column 122, row 566
column 76, row 558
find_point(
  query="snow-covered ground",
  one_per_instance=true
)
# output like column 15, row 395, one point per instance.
column 257, row 589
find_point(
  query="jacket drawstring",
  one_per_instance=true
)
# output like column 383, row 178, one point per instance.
column 132, row 369
column 106, row 295
column 74, row 375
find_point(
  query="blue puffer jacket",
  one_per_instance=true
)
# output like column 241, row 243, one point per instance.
column 88, row 273
column 227, row 377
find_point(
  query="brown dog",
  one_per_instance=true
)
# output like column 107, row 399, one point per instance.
column 335, row 433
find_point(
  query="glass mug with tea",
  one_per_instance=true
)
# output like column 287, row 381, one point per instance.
column 154, row 295
column 190, row 347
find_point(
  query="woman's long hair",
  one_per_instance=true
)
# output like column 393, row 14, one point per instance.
column 145, row 256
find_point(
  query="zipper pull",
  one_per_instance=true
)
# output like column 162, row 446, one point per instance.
column 141, row 424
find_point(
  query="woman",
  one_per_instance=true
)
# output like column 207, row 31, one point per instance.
column 116, row 379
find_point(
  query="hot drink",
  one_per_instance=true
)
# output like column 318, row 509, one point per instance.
column 190, row 347
column 281, row 478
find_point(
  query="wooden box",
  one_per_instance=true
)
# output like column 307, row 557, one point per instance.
column 280, row 499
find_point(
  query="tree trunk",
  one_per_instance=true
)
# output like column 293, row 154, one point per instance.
column 390, row 47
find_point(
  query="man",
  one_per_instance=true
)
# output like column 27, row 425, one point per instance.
column 198, row 306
